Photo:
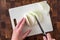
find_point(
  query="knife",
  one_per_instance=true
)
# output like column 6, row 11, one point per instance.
column 44, row 33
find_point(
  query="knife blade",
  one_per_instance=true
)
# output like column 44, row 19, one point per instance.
column 44, row 33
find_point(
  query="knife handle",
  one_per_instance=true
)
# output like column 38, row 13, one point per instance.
column 45, row 36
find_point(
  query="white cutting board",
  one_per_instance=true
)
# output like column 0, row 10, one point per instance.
column 19, row 12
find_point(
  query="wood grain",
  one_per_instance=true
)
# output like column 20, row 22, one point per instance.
column 5, row 22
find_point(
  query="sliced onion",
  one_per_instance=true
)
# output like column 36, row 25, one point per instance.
column 27, row 21
column 38, row 14
column 45, row 6
column 30, row 19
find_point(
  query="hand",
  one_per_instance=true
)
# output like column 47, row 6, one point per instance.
column 17, row 32
column 48, row 37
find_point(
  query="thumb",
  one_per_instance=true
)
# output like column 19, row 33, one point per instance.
column 26, row 33
column 44, row 38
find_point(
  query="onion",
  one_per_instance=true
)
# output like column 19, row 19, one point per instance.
column 30, row 19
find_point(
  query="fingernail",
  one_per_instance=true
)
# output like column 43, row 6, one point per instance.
column 24, row 18
column 44, row 37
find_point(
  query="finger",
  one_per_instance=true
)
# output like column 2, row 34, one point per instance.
column 26, row 34
column 44, row 38
column 21, row 24
column 49, row 36
column 53, row 39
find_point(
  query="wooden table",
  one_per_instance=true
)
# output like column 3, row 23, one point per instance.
column 5, row 22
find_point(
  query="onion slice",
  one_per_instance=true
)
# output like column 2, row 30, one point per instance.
column 30, row 19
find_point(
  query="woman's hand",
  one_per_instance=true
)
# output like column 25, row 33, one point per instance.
column 48, row 37
column 17, row 32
